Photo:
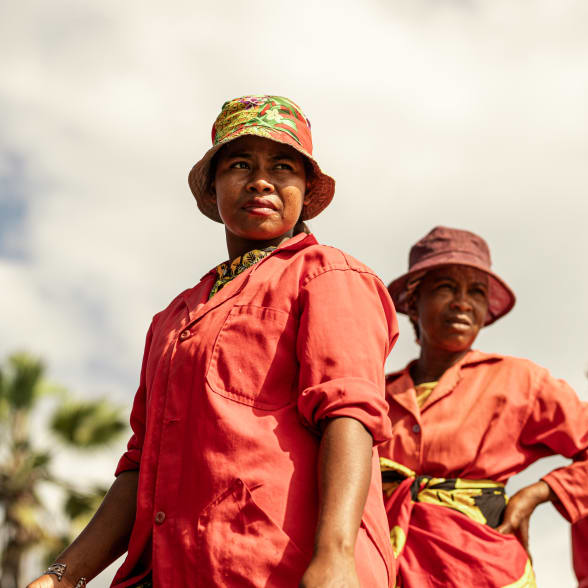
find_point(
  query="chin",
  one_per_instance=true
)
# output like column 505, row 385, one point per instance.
column 263, row 231
column 458, row 344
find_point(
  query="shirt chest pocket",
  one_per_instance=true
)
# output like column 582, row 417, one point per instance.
column 254, row 358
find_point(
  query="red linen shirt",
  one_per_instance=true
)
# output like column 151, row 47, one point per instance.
column 227, row 418
column 490, row 417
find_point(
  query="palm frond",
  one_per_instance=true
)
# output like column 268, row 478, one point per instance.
column 83, row 504
column 88, row 424
column 21, row 379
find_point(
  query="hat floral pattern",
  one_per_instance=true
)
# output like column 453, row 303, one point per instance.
column 265, row 113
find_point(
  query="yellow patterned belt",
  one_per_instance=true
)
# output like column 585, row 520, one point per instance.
column 483, row 501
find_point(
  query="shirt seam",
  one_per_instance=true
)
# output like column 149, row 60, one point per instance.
column 335, row 267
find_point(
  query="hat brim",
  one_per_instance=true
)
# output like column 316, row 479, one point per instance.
column 501, row 298
column 317, row 199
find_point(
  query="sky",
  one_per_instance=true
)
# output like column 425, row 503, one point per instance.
column 470, row 114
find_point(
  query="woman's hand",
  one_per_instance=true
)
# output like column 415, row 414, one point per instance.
column 331, row 571
column 49, row 581
column 520, row 508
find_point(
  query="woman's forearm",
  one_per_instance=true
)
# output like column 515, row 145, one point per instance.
column 344, row 479
column 106, row 536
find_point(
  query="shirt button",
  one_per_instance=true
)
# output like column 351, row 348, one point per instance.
column 160, row 517
column 184, row 334
column 416, row 429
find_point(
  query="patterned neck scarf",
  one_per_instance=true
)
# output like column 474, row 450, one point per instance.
column 229, row 270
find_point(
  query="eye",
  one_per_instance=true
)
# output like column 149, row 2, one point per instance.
column 479, row 292
column 239, row 165
column 284, row 165
column 442, row 286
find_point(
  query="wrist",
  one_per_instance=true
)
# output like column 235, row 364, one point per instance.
column 334, row 547
column 65, row 577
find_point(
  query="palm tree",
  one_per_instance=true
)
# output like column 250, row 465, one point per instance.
column 23, row 467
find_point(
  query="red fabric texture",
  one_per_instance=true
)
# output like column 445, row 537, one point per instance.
column 580, row 551
column 446, row 548
column 489, row 417
column 226, row 418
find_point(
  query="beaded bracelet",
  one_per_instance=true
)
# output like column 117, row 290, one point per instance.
column 58, row 569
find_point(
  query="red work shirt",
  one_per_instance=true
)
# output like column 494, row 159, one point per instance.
column 227, row 420
column 490, row 417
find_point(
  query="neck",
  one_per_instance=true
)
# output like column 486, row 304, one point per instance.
column 237, row 246
column 433, row 363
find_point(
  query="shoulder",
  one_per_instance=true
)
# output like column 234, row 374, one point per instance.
column 181, row 303
column 321, row 259
column 395, row 379
column 502, row 362
column 519, row 369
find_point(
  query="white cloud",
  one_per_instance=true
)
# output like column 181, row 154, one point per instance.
column 470, row 114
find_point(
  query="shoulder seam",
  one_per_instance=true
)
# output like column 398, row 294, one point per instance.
column 335, row 267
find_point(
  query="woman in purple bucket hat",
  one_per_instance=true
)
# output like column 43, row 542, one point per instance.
column 252, row 461
column 464, row 422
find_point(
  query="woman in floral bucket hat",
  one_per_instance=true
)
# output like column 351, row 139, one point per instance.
column 269, row 117
column 252, row 461
column 464, row 422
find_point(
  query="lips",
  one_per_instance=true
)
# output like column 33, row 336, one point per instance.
column 260, row 204
column 460, row 319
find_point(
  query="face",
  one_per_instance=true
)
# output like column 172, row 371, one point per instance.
column 259, row 186
column 450, row 307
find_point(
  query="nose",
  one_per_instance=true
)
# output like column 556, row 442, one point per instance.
column 461, row 300
column 260, row 184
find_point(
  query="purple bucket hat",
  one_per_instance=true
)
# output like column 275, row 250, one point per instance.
column 445, row 246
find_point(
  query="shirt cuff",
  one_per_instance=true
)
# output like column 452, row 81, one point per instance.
column 355, row 398
column 565, row 504
column 128, row 462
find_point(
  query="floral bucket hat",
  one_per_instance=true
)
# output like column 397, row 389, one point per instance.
column 446, row 246
column 272, row 117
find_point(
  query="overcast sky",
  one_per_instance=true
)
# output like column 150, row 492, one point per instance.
column 470, row 114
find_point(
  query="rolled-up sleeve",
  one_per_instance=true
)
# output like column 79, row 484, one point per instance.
column 559, row 421
column 347, row 328
column 131, row 458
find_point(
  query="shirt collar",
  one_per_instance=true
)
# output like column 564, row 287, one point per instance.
column 294, row 243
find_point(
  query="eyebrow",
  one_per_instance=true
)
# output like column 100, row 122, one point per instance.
column 442, row 278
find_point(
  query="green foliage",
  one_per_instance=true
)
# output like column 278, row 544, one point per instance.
column 20, row 475
column 80, row 505
column 23, row 468
column 87, row 424
column 20, row 380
